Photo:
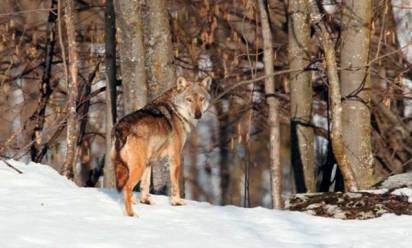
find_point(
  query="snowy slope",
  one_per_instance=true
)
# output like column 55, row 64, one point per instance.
column 42, row 209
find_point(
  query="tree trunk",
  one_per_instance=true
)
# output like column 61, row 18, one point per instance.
column 83, row 142
column 132, row 57
column 302, row 136
column 273, row 103
column 224, row 154
column 355, row 86
column 160, row 69
column 159, row 53
column 45, row 88
column 334, row 97
column 111, row 94
column 73, row 89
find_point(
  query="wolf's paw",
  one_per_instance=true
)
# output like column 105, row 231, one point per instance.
column 147, row 200
column 131, row 213
column 177, row 201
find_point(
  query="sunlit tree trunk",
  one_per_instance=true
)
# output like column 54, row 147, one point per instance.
column 160, row 69
column 273, row 103
column 334, row 97
column 159, row 49
column 132, row 53
column 302, row 137
column 73, row 88
column 355, row 86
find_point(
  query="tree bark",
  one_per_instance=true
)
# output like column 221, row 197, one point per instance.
column 160, row 69
column 73, row 89
column 302, row 135
column 111, row 94
column 334, row 97
column 355, row 86
column 132, row 53
column 273, row 103
column 159, row 53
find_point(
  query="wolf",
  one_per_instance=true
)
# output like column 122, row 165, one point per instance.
column 156, row 131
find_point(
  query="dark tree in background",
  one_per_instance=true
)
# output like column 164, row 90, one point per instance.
column 111, row 91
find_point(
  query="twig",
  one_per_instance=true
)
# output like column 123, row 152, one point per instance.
column 26, row 12
column 254, row 80
column 59, row 30
column 11, row 166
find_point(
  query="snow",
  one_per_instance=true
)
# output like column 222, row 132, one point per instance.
column 39, row 208
column 397, row 181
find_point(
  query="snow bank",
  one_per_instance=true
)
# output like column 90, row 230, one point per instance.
column 39, row 208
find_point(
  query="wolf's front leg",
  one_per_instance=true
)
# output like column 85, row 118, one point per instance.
column 175, row 170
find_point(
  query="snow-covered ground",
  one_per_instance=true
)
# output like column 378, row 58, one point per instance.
column 39, row 208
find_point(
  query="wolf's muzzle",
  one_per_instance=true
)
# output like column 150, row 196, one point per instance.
column 198, row 115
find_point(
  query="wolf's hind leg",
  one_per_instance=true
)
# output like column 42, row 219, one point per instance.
column 136, row 162
column 145, row 186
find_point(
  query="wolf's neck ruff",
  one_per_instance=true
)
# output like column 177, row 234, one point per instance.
column 168, row 109
column 188, row 123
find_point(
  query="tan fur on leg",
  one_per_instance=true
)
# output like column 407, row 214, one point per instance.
column 175, row 168
column 145, row 186
column 136, row 163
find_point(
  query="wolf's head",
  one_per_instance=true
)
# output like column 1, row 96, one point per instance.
column 193, row 98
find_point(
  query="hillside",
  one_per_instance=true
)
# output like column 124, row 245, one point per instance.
column 40, row 208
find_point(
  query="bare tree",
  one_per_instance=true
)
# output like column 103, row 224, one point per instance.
column 355, row 86
column 273, row 103
column 73, row 89
column 132, row 53
column 334, row 96
column 302, row 136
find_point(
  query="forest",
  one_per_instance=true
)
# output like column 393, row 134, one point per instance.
column 307, row 96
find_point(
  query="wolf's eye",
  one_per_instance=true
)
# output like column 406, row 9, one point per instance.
column 202, row 99
column 189, row 99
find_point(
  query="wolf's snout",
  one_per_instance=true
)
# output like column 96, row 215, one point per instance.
column 198, row 115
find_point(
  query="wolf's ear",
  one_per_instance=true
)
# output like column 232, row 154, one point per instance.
column 206, row 83
column 181, row 83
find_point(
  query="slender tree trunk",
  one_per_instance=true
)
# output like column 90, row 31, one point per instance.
column 160, row 69
column 334, row 97
column 302, row 136
column 45, row 88
column 224, row 154
column 273, row 103
column 111, row 93
column 132, row 53
column 83, row 143
column 73, row 89
column 355, row 86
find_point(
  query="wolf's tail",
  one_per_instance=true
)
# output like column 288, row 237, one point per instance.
column 121, row 170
